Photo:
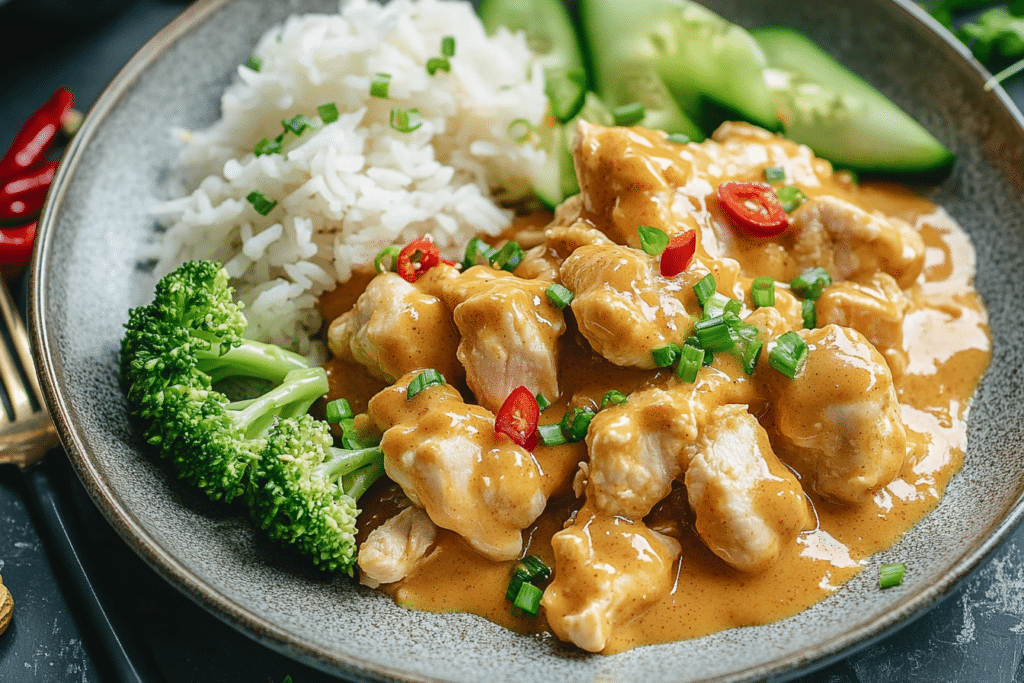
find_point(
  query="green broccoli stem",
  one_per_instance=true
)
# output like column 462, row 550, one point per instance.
column 250, row 359
column 297, row 392
column 340, row 461
column 356, row 484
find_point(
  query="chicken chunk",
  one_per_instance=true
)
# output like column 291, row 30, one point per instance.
column 838, row 423
column 448, row 460
column 608, row 571
column 747, row 505
column 544, row 260
column 622, row 304
column 392, row 550
column 396, row 327
column 851, row 243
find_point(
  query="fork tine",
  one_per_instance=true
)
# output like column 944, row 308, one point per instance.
column 12, row 378
column 19, row 338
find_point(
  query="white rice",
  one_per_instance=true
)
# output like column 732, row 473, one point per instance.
column 350, row 188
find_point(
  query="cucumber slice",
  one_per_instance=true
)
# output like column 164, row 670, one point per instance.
column 549, row 31
column 838, row 115
column 556, row 180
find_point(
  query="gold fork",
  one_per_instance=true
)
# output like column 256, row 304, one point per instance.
column 26, row 431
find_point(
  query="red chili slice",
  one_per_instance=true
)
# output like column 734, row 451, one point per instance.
column 37, row 134
column 416, row 258
column 678, row 253
column 753, row 207
column 518, row 416
column 22, row 195
column 16, row 249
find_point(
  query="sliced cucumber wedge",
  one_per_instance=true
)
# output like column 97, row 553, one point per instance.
column 838, row 115
column 549, row 30
column 556, row 180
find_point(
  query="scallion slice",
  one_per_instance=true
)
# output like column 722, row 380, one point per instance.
column 677, row 138
column 891, row 575
column 386, row 253
column 775, row 174
column 558, row 295
column 709, row 356
column 763, row 291
column 652, row 240
column 435, row 64
column 476, row 250
column 613, row 398
column 380, row 84
column 338, row 410
column 691, row 359
column 405, row 120
column 628, row 114
column 528, row 599
column 551, row 435
column 422, row 381
column 266, row 146
column 519, row 130
column 789, row 354
column 259, row 202
column 448, row 46
column 575, row 423
column 748, row 346
column 791, row 197
column 809, row 314
column 717, row 304
column 508, row 257
column 254, row 63
column 514, row 584
column 542, row 402
column 328, row 112
column 715, row 333
column 298, row 123
column 533, row 568
column 665, row 356
column 809, row 284
column 705, row 288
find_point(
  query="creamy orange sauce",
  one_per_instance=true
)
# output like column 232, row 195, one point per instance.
column 947, row 347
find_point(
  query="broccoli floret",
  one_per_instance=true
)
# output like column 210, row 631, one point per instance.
column 305, row 490
column 175, row 348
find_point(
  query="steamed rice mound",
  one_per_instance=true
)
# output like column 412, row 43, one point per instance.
column 349, row 188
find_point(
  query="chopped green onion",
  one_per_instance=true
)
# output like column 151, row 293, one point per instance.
column 533, row 568
column 266, row 146
column 628, row 114
column 718, row 304
column 705, row 288
column 652, row 240
column 477, row 248
column 690, row 360
column 514, row 584
column 298, row 123
column 677, row 138
column 809, row 314
column 715, row 333
column 613, row 398
column 508, row 257
column 775, row 174
column 575, row 423
column 435, row 64
column 763, row 291
column 789, row 354
column 891, row 575
column 259, row 202
column 709, row 356
column 380, row 84
column 809, row 284
column 339, row 410
column 385, row 253
column 254, row 63
column 448, row 46
column 748, row 346
column 791, row 197
column 542, row 402
column 405, row 120
column 519, row 130
column 665, row 356
column 422, row 381
column 551, row 435
column 558, row 295
column 528, row 599
column 328, row 112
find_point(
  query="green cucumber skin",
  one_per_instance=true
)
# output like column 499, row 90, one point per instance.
column 550, row 33
column 840, row 116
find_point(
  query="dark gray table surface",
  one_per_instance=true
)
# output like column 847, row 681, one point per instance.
column 49, row 528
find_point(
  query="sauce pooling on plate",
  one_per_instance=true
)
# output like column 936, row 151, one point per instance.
column 739, row 498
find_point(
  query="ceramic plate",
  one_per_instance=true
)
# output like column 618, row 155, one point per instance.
column 96, row 230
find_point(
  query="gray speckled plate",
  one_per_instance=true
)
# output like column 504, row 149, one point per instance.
column 95, row 230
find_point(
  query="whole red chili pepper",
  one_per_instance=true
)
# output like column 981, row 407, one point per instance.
column 22, row 196
column 37, row 134
column 16, row 249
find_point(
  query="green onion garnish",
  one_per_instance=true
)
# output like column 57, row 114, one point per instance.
column 422, row 381
column 519, row 130
column 705, row 288
column 298, row 123
column 677, row 138
column 809, row 284
column 717, row 304
column 551, row 435
column 748, row 346
column 259, row 202
column 558, row 295
column 435, row 64
column 709, row 356
column 791, row 197
column 380, row 84
column 715, row 333
column 405, row 120
column 528, row 599
column 891, row 575
column 628, row 114
column 448, row 46
column 475, row 250
column 508, row 257
column 809, row 314
column 763, row 291
column 613, row 398
column 385, row 253
column 775, row 174
column 665, row 356
column 254, row 63
column 328, row 112
column 514, row 584
column 789, row 354
column 575, row 423
column 339, row 410
column 690, row 360
column 533, row 569
column 652, row 240
column 266, row 146
column 542, row 402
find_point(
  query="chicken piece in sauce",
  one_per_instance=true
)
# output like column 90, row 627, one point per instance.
column 448, row 459
column 392, row 550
